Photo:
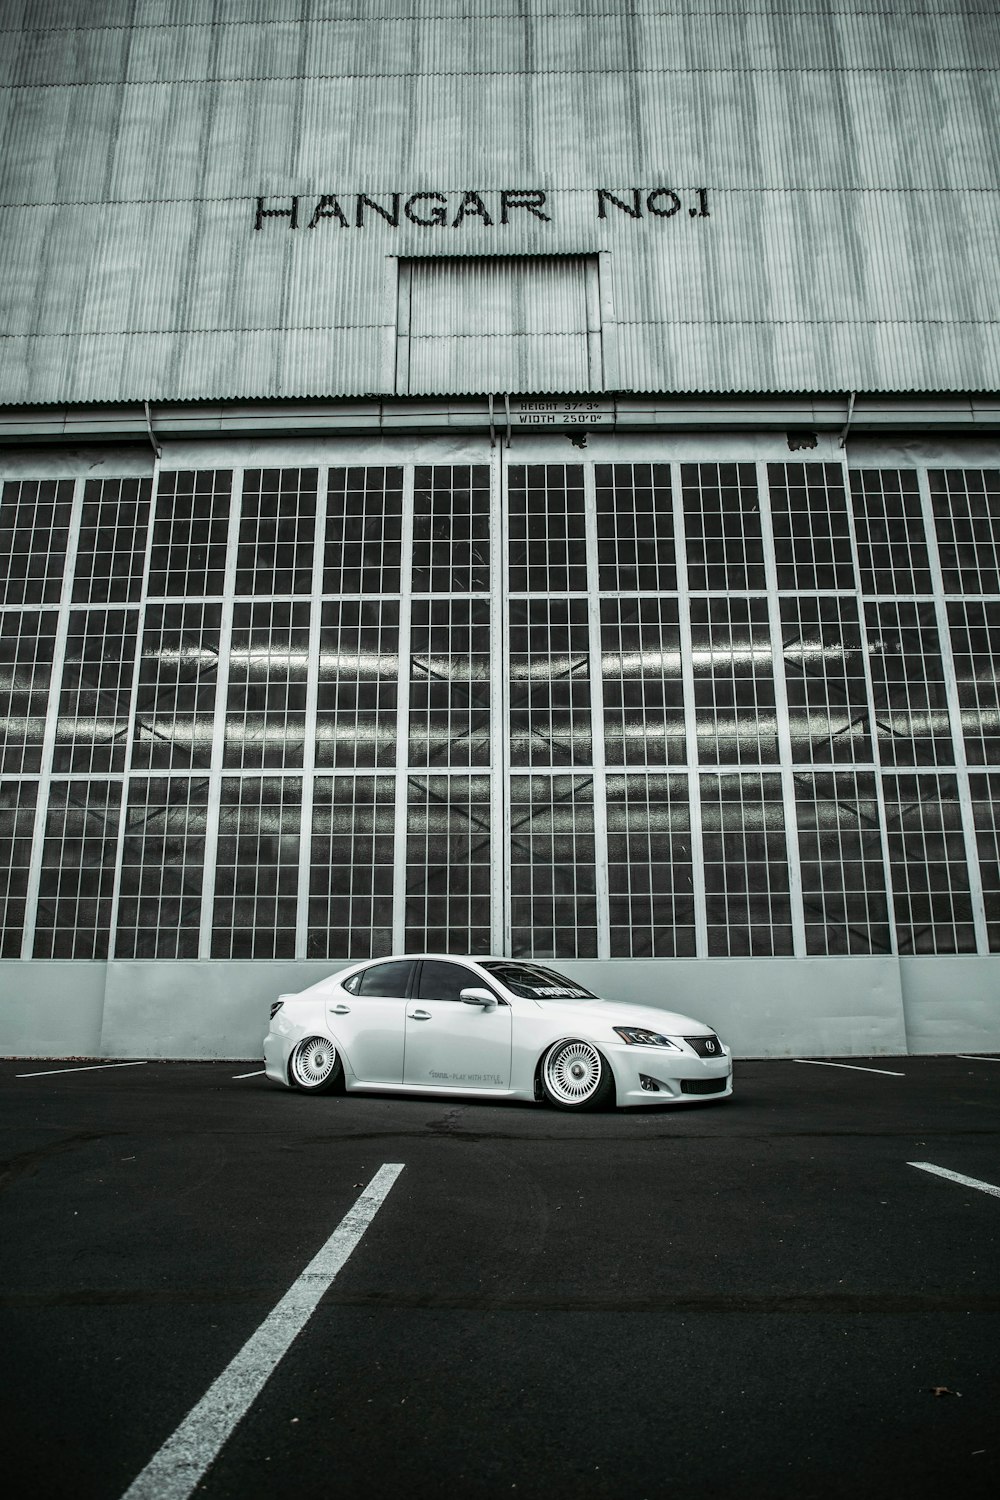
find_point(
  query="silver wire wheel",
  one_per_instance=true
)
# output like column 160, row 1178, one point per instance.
column 315, row 1066
column 575, row 1076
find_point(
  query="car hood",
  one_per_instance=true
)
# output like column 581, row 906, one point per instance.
column 616, row 1013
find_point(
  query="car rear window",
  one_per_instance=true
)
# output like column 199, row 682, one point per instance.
column 535, row 983
column 388, row 981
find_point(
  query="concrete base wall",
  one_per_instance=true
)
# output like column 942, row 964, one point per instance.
column 762, row 1007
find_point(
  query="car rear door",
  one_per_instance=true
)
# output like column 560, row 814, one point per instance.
column 449, row 1043
column 368, row 1021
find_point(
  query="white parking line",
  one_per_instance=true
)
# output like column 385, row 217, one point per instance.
column 174, row 1472
column 259, row 1074
column 972, row 1057
column 972, row 1182
column 815, row 1062
column 90, row 1068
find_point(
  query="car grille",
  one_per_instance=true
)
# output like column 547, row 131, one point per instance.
column 701, row 1045
column 703, row 1085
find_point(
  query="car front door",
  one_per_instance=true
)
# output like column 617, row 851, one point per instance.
column 367, row 1019
column 449, row 1043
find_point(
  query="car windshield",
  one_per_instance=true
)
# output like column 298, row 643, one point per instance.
column 532, row 982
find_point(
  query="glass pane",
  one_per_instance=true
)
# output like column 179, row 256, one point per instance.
column 178, row 682
column 550, row 721
column 190, row 532
column 34, row 526
column 257, row 867
column 17, row 821
column 548, row 547
column 911, row 705
column 163, row 857
column 96, row 692
column 643, row 690
column 967, row 518
column 26, row 645
column 733, row 681
column 364, row 527
column 450, row 682
column 746, row 865
column 812, row 537
column 725, row 549
column 351, row 867
column 933, row 907
column 451, row 529
column 112, row 546
column 448, row 865
column 268, row 670
column 552, row 876
column 975, row 644
column 635, row 527
column 986, row 813
column 358, row 683
column 78, row 866
column 649, row 867
column 888, row 519
column 825, row 680
column 843, row 872
column 277, row 529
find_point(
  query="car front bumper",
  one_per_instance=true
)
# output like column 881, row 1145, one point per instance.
column 657, row 1075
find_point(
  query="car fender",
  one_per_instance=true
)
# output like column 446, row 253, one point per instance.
column 581, row 1034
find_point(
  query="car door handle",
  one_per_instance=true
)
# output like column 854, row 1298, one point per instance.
column 340, row 1010
column 420, row 1015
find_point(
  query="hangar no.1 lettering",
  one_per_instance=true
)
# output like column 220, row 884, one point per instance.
column 430, row 210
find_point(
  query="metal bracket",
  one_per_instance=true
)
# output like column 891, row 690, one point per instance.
column 847, row 424
column 506, row 407
column 152, row 435
column 493, row 431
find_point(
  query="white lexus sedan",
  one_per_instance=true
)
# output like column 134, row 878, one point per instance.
column 490, row 1027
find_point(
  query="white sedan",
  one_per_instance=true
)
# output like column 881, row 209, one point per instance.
column 490, row 1027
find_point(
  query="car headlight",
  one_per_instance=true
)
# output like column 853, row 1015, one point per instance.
column 637, row 1037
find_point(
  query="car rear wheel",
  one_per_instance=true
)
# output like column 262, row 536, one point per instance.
column 315, row 1067
column 576, row 1076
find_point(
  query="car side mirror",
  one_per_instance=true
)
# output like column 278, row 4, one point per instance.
column 478, row 997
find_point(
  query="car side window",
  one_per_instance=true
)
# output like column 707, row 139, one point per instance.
column 388, row 981
column 444, row 981
column 351, row 985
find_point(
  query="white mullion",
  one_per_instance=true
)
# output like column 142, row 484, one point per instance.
column 690, row 716
column 140, row 626
column 955, row 718
column 601, row 874
column 219, row 718
column 52, row 719
column 781, row 716
column 403, row 714
column 499, row 692
column 873, row 726
column 309, row 731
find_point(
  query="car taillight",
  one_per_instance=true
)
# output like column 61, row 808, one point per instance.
column 276, row 1007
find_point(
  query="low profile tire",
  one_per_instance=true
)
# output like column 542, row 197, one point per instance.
column 576, row 1076
column 314, row 1066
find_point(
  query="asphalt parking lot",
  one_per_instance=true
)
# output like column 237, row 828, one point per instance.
column 755, row 1298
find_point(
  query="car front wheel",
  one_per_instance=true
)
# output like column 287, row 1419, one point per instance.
column 576, row 1076
column 315, row 1067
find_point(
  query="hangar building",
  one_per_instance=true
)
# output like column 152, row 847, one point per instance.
column 500, row 475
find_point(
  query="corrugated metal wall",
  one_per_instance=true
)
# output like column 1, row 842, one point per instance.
column 849, row 149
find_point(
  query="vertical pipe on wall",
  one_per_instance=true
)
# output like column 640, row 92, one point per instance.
column 601, row 875
column 690, row 717
column 403, row 715
column 309, row 730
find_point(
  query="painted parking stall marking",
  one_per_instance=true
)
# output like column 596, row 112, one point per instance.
column 972, row 1182
column 974, row 1057
column 174, row 1472
column 815, row 1062
column 87, row 1068
column 258, row 1074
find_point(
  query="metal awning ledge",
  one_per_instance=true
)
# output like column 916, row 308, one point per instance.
column 186, row 420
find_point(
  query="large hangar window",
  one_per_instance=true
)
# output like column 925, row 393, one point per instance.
column 498, row 323
column 566, row 709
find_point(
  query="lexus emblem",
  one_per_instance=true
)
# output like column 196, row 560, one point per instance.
column 709, row 1046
